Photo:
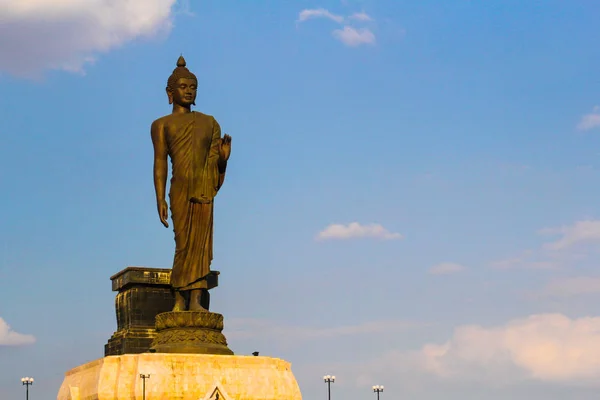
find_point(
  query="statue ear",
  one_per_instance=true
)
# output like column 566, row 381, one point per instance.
column 170, row 96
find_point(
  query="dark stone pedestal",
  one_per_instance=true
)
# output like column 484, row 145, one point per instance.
column 143, row 294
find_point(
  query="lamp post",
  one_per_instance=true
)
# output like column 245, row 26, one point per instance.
column 27, row 381
column 329, row 380
column 144, row 377
column 378, row 389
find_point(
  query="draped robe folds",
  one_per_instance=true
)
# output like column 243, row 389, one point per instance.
column 194, row 152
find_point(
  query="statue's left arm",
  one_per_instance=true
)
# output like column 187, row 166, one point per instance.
column 219, row 154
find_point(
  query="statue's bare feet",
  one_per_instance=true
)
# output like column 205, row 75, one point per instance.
column 195, row 297
column 179, row 302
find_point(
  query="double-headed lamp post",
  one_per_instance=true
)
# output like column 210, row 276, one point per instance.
column 378, row 389
column 329, row 379
column 144, row 377
column 27, row 381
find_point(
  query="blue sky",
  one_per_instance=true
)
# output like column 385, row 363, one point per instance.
column 411, row 199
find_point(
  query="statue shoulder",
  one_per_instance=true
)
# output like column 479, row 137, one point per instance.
column 204, row 116
column 160, row 122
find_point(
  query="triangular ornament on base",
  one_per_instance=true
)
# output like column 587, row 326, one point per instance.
column 217, row 394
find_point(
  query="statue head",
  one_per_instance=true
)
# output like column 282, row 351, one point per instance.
column 182, row 85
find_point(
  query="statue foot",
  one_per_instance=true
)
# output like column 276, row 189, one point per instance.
column 195, row 301
column 179, row 302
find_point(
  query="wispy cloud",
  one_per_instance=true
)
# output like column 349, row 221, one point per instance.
column 566, row 245
column 8, row 337
column 319, row 13
column 37, row 35
column 361, row 16
column 354, row 37
column 348, row 34
column 446, row 268
column 587, row 231
column 590, row 121
column 356, row 230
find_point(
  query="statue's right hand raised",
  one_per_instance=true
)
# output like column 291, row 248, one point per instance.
column 163, row 212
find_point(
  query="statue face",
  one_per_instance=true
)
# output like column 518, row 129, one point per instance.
column 184, row 92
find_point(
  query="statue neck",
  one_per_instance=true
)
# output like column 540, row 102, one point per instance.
column 179, row 109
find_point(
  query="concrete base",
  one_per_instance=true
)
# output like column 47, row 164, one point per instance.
column 181, row 377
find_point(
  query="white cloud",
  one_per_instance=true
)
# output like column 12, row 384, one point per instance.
column 544, row 347
column 37, row 35
column 446, row 268
column 348, row 35
column 566, row 246
column 590, row 121
column 251, row 328
column 570, row 287
column 354, row 37
column 319, row 13
column 548, row 348
column 8, row 337
column 356, row 230
column 361, row 16
column 580, row 232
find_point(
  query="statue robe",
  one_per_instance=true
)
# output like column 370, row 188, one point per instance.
column 194, row 151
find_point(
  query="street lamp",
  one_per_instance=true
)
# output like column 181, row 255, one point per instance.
column 329, row 380
column 27, row 381
column 378, row 389
column 144, row 377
